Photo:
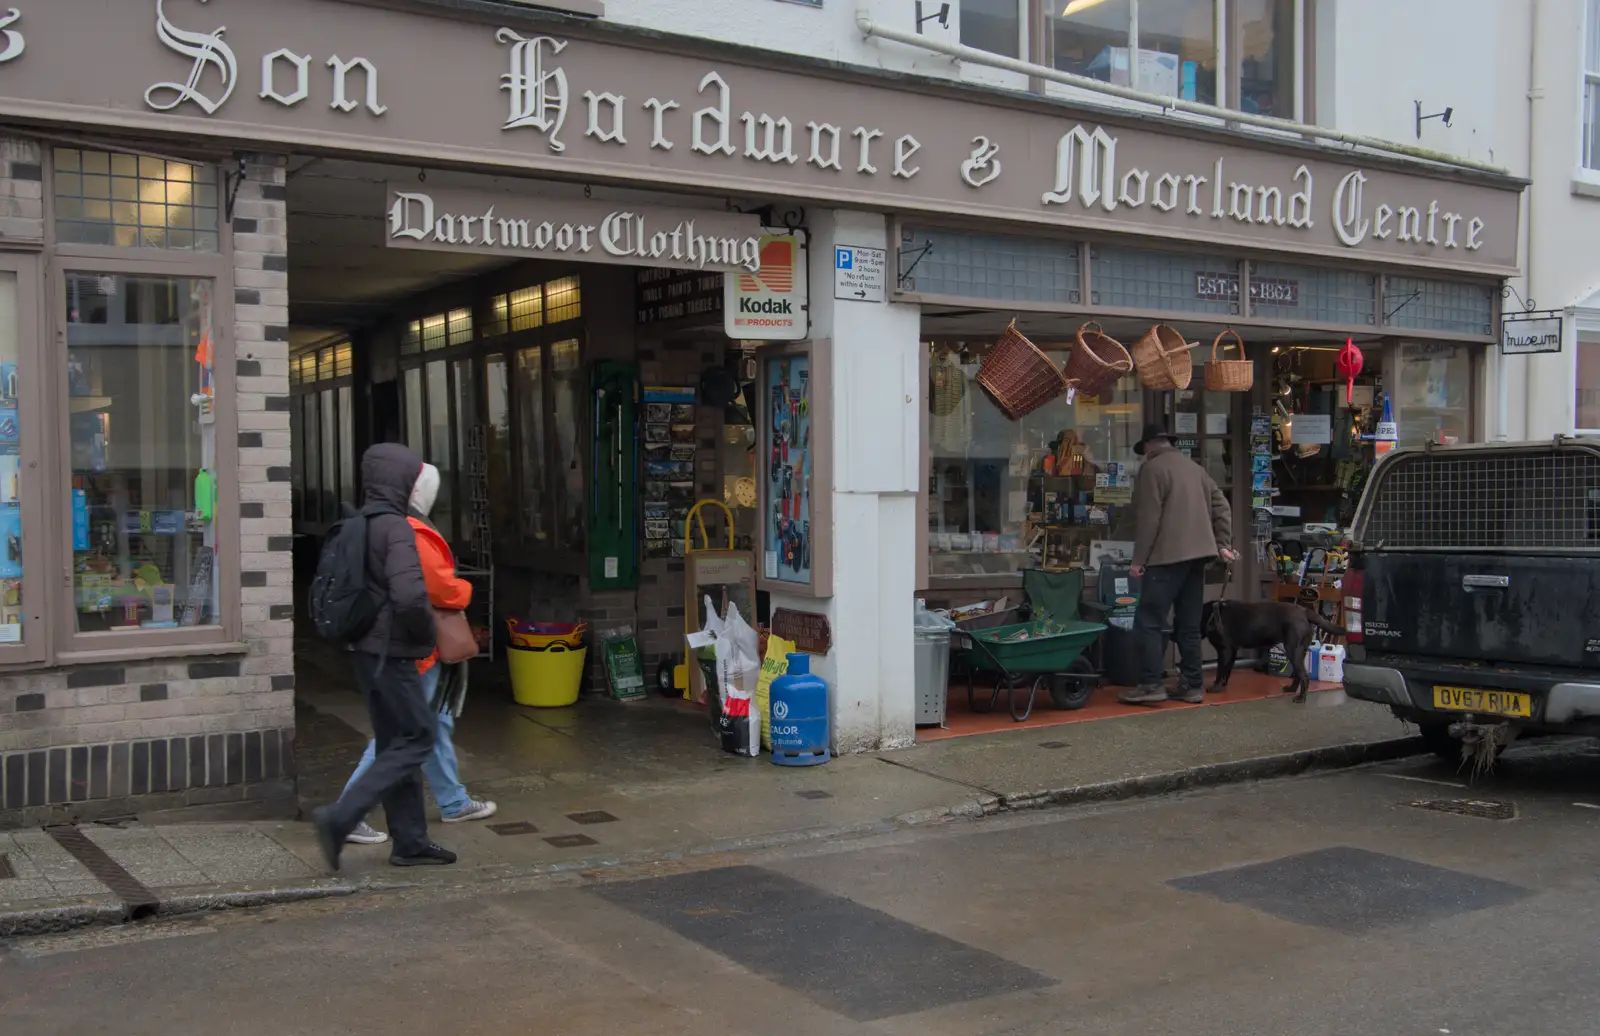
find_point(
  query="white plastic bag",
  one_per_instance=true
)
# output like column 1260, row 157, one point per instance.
column 738, row 673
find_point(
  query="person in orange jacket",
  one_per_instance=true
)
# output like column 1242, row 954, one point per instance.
column 447, row 592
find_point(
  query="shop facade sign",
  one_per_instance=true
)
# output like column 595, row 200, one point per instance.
column 772, row 302
column 579, row 230
column 1521, row 335
column 597, row 104
column 1224, row 287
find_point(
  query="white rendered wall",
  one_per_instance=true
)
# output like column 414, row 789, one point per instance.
column 877, row 401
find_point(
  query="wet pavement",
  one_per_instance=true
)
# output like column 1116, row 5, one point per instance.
column 608, row 784
column 1379, row 900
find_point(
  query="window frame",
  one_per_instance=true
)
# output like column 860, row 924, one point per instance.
column 477, row 352
column 299, row 391
column 1228, row 28
column 1587, row 78
column 70, row 645
column 34, row 454
column 1583, row 322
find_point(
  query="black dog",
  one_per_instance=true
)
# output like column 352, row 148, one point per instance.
column 1232, row 625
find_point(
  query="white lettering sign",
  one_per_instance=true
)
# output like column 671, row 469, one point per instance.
column 538, row 95
column 15, row 43
column 591, row 231
column 208, row 51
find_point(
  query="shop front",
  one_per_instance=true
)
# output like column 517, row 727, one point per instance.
column 600, row 279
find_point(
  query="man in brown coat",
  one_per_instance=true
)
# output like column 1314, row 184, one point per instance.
column 1182, row 522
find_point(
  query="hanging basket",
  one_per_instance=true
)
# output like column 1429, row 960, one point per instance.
column 1229, row 375
column 1019, row 376
column 1097, row 360
column 1161, row 357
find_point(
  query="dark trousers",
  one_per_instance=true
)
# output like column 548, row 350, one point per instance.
column 1178, row 590
column 404, row 727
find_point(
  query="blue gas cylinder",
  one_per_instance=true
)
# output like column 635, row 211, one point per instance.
column 799, row 704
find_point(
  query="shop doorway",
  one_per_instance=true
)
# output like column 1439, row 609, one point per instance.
column 492, row 369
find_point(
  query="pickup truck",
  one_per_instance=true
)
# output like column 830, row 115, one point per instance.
column 1472, row 599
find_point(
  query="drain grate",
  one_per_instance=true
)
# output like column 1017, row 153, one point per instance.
column 6, row 870
column 1052, row 744
column 571, row 841
column 516, row 827
column 592, row 816
column 1482, row 809
column 138, row 901
column 814, row 794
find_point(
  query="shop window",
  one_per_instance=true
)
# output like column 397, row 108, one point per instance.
column 1433, row 393
column 142, row 455
column 534, row 482
column 520, row 310
column 1090, row 38
column 1178, row 49
column 562, row 300
column 416, row 439
column 1126, row 277
column 1425, row 305
column 992, row 25
column 567, row 395
column 992, row 495
column 134, row 201
column 322, row 441
column 1011, row 269
column 497, row 421
column 1312, row 294
column 1586, row 413
column 1267, row 58
column 439, row 452
column 12, row 620
column 1590, row 154
column 1175, row 40
column 466, row 418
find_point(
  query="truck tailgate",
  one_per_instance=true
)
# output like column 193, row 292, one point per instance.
column 1461, row 607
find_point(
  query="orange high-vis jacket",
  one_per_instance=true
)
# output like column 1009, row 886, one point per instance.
column 446, row 590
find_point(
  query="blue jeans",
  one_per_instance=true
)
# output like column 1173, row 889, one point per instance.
column 440, row 768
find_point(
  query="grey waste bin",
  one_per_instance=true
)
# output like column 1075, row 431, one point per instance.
column 932, row 667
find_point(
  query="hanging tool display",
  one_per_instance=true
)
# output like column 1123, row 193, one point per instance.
column 614, row 476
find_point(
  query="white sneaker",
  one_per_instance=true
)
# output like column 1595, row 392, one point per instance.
column 366, row 834
column 474, row 810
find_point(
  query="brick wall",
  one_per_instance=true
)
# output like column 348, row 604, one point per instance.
column 96, row 740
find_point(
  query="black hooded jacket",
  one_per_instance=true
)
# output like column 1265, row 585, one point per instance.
column 405, row 624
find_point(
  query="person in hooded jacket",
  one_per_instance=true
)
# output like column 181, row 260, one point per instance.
column 448, row 592
column 404, row 724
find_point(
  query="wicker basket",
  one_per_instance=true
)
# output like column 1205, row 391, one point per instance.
column 949, row 384
column 1097, row 360
column 1161, row 357
column 1019, row 376
column 1229, row 375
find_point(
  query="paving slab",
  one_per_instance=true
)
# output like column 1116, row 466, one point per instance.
column 1050, row 763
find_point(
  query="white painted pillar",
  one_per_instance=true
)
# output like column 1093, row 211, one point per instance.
column 877, row 401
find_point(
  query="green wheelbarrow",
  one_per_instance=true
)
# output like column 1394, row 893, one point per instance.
column 1036, row 655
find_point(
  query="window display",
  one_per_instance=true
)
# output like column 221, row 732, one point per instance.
column 786, row 380
column 996, row 486
column 142, row 451
column 11, row 619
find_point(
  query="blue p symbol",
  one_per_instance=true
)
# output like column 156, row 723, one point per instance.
column 843, row 259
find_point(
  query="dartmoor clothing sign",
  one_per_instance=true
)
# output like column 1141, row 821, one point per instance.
column 597, row 103
column 579, row 230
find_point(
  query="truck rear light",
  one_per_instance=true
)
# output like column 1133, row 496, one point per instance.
column 1354, row 584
